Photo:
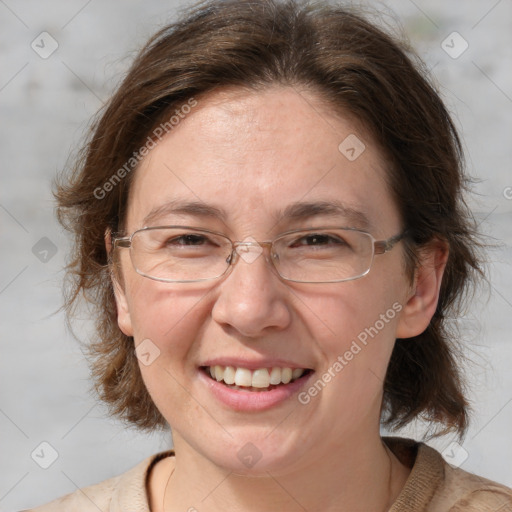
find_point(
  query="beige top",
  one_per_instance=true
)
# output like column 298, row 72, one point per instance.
column 432, row 486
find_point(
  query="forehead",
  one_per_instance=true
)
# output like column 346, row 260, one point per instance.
column 255, row 156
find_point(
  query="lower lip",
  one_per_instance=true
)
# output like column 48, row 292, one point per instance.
column 253, row 400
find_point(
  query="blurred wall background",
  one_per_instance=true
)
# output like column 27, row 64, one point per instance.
column 59, row 62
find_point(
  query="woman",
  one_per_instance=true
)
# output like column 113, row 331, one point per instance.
column 269, row 219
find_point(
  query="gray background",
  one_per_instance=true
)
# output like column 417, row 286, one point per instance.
column 46, row 105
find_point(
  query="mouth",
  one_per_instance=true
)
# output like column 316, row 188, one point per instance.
column 258, row 380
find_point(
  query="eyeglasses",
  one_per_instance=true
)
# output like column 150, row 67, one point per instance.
column 182, row 254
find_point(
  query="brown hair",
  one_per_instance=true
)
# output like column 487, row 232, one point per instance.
column 355, row 68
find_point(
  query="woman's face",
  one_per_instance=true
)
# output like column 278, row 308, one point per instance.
column 252, row 156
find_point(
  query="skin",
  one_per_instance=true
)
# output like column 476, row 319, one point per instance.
column 253, row 153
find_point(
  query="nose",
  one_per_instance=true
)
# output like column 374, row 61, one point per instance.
column 252, row 299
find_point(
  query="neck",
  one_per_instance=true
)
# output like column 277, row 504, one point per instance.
column 342, row 474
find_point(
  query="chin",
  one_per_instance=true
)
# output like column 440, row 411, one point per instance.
column 256, row 456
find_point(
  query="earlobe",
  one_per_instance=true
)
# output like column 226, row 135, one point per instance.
column 421, row 302
column 123, row 310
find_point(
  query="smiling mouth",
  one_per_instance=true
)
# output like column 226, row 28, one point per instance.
column 262, row 379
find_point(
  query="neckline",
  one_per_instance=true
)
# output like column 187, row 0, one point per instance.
column 425, row 464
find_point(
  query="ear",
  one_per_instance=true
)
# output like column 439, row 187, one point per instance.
column 123, row 311
column 421, row 302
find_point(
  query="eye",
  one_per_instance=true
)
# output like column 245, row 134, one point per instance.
column 177, row 240
column 188, row 240
column 318, row 240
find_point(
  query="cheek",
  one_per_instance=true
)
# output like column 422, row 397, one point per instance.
column 355, row 328
column 167, row 314
column 166, row 321
column 355, row 332
column 352, row 310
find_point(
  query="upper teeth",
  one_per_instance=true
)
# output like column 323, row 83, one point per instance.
column 260, row 378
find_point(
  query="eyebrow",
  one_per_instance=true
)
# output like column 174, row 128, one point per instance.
column 293, row 212
column 333, row 208
column 179, row 207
